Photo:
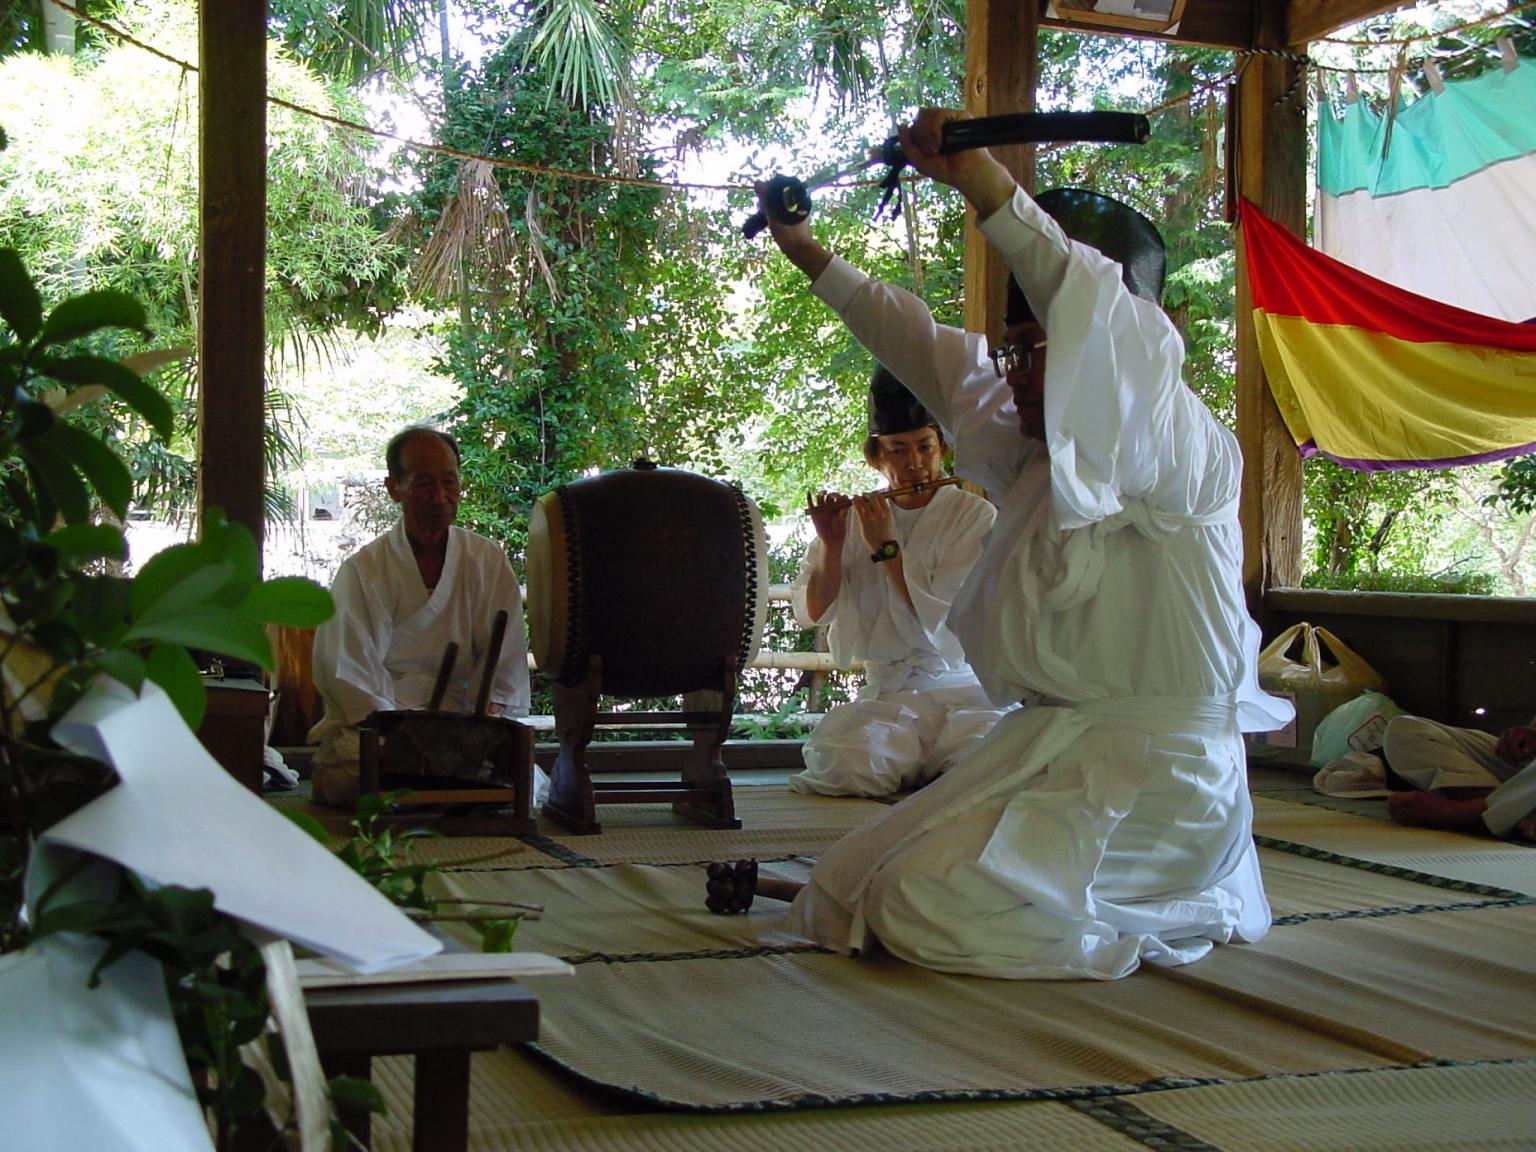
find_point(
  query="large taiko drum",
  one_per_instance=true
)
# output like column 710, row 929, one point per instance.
column 659, row 572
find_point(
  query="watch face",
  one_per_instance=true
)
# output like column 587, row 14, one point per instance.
column 885, row 551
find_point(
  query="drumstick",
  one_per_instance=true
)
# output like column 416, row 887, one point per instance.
column 888, row 493
column 492, row 655
column 444, row 670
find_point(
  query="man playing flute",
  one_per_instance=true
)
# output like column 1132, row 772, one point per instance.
column 880, row 576
column 1109, row 822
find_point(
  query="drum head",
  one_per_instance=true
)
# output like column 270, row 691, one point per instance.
column 658, row 573
column 547, row 603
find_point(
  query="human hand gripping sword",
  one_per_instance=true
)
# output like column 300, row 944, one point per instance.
column 788, row 200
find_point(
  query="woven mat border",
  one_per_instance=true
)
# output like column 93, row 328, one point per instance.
column 632, row 1095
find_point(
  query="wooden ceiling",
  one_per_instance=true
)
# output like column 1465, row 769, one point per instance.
column 1234, row 24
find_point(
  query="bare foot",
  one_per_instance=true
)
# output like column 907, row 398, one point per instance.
column 1429, row 810
column 1524, row 829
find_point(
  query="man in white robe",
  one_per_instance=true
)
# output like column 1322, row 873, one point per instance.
column 400, row 601
column 1463, row 779
column 880, row 575
column 1109, row 821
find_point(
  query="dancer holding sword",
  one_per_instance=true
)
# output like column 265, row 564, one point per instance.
column 1107, row 824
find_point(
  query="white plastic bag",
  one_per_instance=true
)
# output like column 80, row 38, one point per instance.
column 1355, row 726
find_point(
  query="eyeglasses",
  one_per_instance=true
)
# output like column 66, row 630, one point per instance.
column 1014, row 357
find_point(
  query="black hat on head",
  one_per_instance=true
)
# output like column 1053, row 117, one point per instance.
column 892, row 408
column 1115, row 229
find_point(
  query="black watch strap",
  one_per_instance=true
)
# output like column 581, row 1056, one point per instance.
column 886, row 551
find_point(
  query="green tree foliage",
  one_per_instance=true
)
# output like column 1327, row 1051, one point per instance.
column 1353, row 516
column 100, row 192
column 354, row 40
column 542, row 343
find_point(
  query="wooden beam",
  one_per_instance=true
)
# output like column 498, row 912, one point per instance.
column 1233, row 24
column 232, row 170
column 1208, row 23
column 1270, row 169
column 1001, row 50
column 1308, row 20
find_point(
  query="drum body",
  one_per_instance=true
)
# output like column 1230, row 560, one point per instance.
column 661, row 573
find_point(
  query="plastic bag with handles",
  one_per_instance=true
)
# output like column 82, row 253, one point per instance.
column 1317, row 672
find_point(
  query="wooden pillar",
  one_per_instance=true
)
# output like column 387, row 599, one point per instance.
column 1001, row 49
column 232, row 170
column 1270, row 169
column 58, row 30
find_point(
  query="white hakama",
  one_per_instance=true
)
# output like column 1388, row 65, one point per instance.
column 920, row 705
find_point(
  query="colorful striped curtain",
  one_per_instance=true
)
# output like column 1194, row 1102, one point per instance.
column 1442, row 201
column 1375, row 377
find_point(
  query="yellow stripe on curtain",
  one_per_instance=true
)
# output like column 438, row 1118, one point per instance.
column 1428, row 401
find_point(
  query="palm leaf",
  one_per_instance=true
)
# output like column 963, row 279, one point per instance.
column 582, row 54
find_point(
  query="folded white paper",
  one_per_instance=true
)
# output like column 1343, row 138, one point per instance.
column 432, row 969
column 177, row 817
column 92, row 1068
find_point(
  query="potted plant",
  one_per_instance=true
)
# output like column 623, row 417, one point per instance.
column 67, row 619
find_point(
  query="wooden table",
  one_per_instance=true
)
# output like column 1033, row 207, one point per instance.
column 439, row 1024
column 234, row 728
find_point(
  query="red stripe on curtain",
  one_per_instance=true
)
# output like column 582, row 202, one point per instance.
column 1288, row 278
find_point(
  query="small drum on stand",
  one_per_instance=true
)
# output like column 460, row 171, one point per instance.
column 645, row 582
column 454, row 760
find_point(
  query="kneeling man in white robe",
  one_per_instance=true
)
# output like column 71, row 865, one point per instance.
column 1108, row 823
column 400, row 601
column 880, row 576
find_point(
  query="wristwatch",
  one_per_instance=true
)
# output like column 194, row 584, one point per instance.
column 886, row 551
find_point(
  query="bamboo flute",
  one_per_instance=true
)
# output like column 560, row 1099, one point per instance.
column 891, row 493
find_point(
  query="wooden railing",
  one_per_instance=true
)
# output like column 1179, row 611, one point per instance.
column 1464, row 660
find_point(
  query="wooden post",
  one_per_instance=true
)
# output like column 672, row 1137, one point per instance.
column 1001, row 47
column 232, row 170
column 1270, row 169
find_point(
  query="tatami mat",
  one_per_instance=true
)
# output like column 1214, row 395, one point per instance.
column 1470, row 860
column 1393, row 949
column 517, row 1106
column 622, row 910
column 1316, row 996
column 1459, row 1109
column 775, row 823
column 628, row 909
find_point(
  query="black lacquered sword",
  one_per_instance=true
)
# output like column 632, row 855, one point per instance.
column 789, row 199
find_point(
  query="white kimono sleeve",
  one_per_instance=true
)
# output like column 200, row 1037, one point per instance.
column 798, row 596
column 947, row 368
column 349, row 669
column 941, row 551
column 509, row 688
column 1120, row 423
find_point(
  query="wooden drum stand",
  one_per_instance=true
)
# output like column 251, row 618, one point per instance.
column 703, row 794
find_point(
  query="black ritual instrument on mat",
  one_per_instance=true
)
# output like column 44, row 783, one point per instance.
column 444, row 672
column 789, row 200
column 492, row 658
column 645, row 582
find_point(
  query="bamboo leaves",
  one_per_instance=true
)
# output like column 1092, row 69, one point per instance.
column 59, row 602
